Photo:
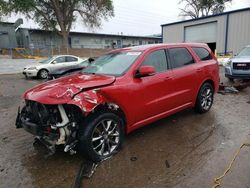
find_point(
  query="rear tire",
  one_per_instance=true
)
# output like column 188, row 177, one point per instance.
column 205, row 98
column 101, row 136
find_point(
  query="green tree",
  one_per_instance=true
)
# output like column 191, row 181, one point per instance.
column 200, row 8
column 3, row 8
column 59, row 15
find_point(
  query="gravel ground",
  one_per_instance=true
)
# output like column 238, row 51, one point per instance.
column 184, row 150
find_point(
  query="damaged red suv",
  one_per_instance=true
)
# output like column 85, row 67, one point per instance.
column 121, row 91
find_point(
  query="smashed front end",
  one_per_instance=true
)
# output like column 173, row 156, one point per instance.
column 54, row 111
column 51, row 124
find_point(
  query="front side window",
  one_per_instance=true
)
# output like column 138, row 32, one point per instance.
column 180, row 57
column 60, row 59
column 116, row 63
column 202, row 53
column 157, row 59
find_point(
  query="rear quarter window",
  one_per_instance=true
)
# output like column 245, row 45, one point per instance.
column 180, row 57
column 202, row 53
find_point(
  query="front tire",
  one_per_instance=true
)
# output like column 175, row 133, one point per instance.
column 43, row 74
column 101, row 136
column 205, row 98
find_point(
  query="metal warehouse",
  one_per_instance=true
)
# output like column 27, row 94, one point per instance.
column 227, row 32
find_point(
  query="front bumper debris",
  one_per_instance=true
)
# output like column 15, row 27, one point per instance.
column 51, row 124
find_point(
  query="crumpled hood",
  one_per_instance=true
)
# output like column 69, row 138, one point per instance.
column 61, row 91
column 243, row 59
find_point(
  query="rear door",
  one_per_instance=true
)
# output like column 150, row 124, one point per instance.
column 71, row 61
column 185, row 80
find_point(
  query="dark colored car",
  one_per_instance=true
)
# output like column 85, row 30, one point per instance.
column 69, row 70
column 118, row 93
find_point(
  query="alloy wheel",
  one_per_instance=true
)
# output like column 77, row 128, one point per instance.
column 206, row 98
column 105, row 137
column 44, row 74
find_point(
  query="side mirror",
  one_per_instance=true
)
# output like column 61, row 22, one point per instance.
column 54, row 62
column 145, row 71
column 91, row 60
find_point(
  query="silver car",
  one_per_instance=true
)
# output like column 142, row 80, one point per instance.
column 43, row 68
column 239, row 66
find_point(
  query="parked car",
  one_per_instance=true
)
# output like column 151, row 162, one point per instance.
column 57, row 73
column 44, row 67
column 118, row 93
column 239, row 66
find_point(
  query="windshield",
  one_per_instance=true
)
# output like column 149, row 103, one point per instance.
column 115, row 63
column 84, row 63
column 244, row 52
column 45, row 61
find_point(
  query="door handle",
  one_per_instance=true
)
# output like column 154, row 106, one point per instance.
column 199, row 70
column 168, row 78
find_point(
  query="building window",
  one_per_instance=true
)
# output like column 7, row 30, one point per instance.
column 98, row 41
column 107, row 41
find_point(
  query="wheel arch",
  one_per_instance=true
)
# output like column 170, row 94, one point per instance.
column 210, row 81
column 41, row 70
column 114, row 108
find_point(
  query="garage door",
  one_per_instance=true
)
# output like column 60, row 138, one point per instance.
column 201, row 33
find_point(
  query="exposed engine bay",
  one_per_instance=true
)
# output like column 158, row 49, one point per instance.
column 51, row 124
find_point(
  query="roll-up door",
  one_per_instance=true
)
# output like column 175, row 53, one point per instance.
column 201, row 33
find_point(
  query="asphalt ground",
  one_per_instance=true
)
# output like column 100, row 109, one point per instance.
column 184, row 150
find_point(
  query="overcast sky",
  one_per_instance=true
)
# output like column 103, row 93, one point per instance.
column 139, row 17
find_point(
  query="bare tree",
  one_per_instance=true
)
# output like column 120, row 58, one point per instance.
column 200, row 8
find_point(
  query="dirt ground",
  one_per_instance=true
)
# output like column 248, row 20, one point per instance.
column 184, row 150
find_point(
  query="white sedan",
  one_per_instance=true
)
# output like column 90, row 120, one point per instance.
column 43, row 68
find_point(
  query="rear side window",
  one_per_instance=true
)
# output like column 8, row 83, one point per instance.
column 70, row 59
column 202, row 53
column 180, row 57
column 157, row 59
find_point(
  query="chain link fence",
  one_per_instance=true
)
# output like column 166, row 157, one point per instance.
column 48, row 51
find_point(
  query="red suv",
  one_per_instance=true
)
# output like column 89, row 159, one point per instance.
column 118, row 93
